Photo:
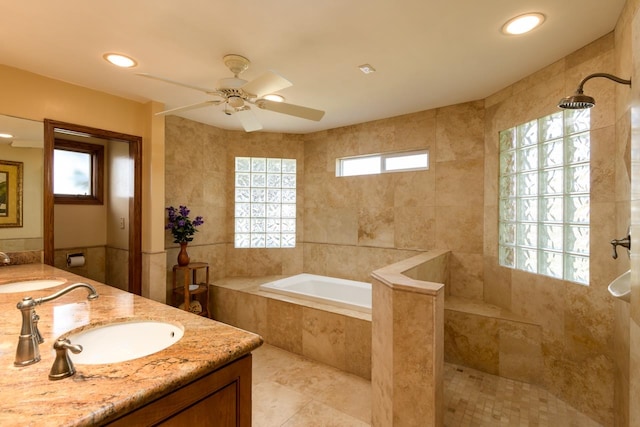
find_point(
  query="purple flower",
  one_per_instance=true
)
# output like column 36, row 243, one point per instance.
column 180, row 225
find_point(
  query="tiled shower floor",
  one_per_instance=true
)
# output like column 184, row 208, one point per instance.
column 290, row 390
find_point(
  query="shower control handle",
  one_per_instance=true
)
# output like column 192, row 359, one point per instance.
column 625, row 243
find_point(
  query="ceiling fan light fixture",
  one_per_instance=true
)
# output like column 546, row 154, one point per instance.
column 120, row 60
column 523, row 24
column 236, row 101
column 274, row 97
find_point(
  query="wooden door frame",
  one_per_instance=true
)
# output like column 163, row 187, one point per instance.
column 135, row 204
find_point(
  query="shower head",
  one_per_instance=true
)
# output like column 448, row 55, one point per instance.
column 577, row 101
column 580, row 101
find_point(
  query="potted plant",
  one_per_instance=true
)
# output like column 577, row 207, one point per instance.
column 182, row 228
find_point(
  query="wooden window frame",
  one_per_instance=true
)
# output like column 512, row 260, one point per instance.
column 97, row 173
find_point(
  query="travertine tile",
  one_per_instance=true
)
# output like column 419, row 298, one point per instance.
column 459, row 132
column 284, row 322
column 358, row 347
column 251, row 314
column 497, row 283
column 459, row 228
column 414, row 227
column 460, row 183
column 323, row 337
column 338, row 399
column 472, row 341
column 315, row 411
column 414, row 189
column 274, row 404
column 341, row 226
column 466, row 275
column 520, row 351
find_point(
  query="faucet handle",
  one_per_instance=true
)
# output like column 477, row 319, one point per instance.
column 36, row 332
column 624, row 242
column 63, row 366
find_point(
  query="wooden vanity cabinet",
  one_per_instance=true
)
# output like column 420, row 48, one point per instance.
column 219, row 399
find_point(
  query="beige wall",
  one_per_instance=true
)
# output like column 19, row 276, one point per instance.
column 32, row 166
column 36, row 97
column 120, row 189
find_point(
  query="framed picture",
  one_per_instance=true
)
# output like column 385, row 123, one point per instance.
column 10, row 194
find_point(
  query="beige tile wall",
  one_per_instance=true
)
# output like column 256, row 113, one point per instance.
column 350, row 226
column 630, row 367
column 577, row 320
column 372, row 221
column 95, row 261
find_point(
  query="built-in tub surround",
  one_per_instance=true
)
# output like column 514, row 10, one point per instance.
column 334, row 335
column 407, row 360
column 98, row 393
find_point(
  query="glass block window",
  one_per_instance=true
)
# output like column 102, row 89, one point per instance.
column 265, row 202
column 544, row 196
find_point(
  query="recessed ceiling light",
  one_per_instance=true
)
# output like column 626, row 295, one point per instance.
column 120, row 60
column 367, row 69
column 6, row 135
column 273, row 97
column 523, row 23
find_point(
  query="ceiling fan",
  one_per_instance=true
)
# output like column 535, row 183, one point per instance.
column 236, row 94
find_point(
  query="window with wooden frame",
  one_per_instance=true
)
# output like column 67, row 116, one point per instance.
column 78, row 172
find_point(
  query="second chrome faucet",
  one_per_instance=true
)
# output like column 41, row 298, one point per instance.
column 28, row 351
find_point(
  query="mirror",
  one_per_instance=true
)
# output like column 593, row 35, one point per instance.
column 25, row 146
column 105, row 238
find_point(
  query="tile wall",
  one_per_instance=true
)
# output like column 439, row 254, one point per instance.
column 630, row 367
column 577, row 320
column 350, row 226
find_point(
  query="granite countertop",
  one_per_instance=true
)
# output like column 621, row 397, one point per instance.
column 97, row 393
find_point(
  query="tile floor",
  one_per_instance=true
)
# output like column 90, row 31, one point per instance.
column 290, row 391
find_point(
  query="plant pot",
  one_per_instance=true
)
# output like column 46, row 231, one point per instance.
column 183, row 256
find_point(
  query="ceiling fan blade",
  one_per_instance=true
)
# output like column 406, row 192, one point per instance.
column 173, row 82
column 290, row 109
column 248, row 120
column 189, row 107
column 268, row 82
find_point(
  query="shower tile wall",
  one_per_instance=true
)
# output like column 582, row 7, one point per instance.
column 577, row 320
column 349, row 226
column 630, row 367
column 371, row 221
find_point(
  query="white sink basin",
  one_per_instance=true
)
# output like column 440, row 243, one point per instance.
column 29, row 285
column 118, row 342
column 621, row 287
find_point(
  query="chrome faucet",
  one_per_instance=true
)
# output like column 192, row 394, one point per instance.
column 28, row 351
column 5, row 260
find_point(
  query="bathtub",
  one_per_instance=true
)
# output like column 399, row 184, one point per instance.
column 344, row 293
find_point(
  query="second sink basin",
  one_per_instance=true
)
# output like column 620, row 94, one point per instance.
column 119, row 342
column 621, row 287
column 29, row 285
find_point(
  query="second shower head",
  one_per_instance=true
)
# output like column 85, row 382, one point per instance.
column 580, row 101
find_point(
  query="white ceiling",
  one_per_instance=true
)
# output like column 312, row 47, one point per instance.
column 427, row 53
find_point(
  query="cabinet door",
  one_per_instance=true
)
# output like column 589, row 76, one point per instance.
column 218, row 410
column 219, row 399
